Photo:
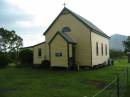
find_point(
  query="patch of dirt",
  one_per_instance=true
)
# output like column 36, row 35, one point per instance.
column 98, row 84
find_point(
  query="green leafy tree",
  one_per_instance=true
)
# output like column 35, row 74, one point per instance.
column 9, row 41
column 127, row 44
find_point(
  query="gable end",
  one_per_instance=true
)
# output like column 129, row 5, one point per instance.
column 82, row 20
column 63, row 12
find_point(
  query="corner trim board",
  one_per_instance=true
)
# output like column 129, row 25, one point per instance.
column 68, row 54
column 91, row 46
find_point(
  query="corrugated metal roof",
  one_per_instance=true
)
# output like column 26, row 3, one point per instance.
column 89, row 24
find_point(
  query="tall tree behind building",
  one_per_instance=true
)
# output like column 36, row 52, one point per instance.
column 9, row 41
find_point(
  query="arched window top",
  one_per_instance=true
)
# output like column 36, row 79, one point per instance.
column 66, row 29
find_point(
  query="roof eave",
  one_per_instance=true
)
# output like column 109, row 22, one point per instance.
column 66, row 39
column 100, row 33
column 33, row 45
column 54, row 21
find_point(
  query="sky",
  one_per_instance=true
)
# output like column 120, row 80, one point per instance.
column 31, row 18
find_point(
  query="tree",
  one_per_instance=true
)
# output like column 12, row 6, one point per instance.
column 26, row 57
column 9, row 41
column 116, row 54
column 127, row 44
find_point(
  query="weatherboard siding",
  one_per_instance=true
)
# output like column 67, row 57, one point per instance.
column 79, row 33
column 70, row 50
column 59, row 45
column 38, row 59
column 100, row 40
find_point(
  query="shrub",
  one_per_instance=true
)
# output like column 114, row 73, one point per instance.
column 26, row 57
column 4, row 60
column 13, row 56
column 116, row 54
column 45, row 64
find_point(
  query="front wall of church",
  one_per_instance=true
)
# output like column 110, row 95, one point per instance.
column 59, row 45
column 79, row 33
column 100, row 58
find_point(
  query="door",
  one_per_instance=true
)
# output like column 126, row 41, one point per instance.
column 72, row 64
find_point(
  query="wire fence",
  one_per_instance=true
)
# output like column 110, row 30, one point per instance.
column 117, row 87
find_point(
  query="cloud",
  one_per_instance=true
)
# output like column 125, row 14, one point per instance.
column 14, row 18
column 32, row 39
column 9, row 14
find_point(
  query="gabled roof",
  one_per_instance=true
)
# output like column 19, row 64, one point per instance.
column 82, row 20
column 91, row 25
column 39, row 44
column 64, row 36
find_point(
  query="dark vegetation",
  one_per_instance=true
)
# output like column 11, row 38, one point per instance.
column 45, row 64
column 4, row 60
column 10, row 44
column 127, row 44
column 117, row 54
column 25, row 57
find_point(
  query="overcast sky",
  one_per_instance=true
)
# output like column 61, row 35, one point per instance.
column 30, row 18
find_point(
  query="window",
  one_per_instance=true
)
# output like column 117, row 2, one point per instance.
column 97, row 53
column 58, row 54
column 102, row 48
column 106, row 49
column 39, row 52
column 66, row 29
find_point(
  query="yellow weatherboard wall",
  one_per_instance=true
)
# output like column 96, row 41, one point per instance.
column 100, row 40
column 79, row 33
column 59, row 45
column 38, row 59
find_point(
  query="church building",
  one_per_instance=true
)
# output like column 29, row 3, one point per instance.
column 72, row 41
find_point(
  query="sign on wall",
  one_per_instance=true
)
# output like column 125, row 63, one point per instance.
column 58, row 54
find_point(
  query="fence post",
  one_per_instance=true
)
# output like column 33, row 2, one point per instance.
column 127, row 75
column 118, row 90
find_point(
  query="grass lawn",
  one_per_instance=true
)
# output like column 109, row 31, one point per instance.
column 30, row 82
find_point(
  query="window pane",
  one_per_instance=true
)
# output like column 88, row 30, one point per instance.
column 106, row 49
column 102, row 49
column 97, row 49
column 39, row 52
column 66, row 29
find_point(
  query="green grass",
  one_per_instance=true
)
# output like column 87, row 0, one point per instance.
column 30, row 82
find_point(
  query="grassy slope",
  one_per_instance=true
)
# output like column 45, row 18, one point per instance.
column 28, row 82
